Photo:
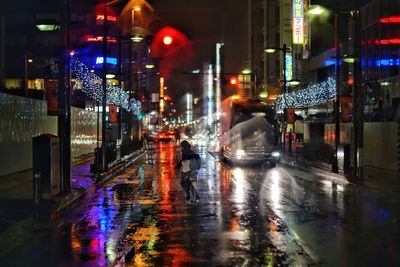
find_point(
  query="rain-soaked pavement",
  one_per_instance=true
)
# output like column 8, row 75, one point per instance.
column 246, row 217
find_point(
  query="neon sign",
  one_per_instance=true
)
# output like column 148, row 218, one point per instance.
column 109, row 60
column 388, row 62
column 392, row 19
column 387, row 41
column 109, row 18
column 298, row 22
column 289, row 67
column 100, row 39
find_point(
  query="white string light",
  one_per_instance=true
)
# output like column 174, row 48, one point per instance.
column 310, row 96
column 92, row 87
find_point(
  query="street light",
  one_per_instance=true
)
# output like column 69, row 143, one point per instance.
column 283, row 49
column 294, row 82
column 316, row 10
column 149, row 66
column 246, row 71
column 47, row 27
column 263, row 95
column 349, row 59
column 135, row 38
column 270, row 50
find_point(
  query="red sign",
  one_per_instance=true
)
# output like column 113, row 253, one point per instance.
column 113, row 113
column 392, row 19
column 52, row 97
column 109, row 18
column 387, row 41
column 290, row 115
column 100, row 39
column 346, row 104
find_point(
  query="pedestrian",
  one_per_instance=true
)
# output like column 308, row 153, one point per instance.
column 145, row 141
column 188, row 171
column 177, row 136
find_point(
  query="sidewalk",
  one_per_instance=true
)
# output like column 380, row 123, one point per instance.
column 319, row 168
column 20, row 220
column 376, row 179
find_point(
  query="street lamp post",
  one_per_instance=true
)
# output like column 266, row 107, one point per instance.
column 318, row 10
column 64, row 96
column 120, row 85
column 283, row 49
column 358, row 120
column 27, row 61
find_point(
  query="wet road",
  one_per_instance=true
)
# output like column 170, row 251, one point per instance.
column 246, row 217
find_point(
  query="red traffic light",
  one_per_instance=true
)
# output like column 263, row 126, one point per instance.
column 167, row 40
column 233, row 81
column 167, row 98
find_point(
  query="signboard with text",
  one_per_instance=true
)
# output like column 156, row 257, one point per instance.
column 289, row 67
column 298, row 22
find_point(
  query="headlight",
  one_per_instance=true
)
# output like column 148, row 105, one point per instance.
column 240, row 153
column 276, row 154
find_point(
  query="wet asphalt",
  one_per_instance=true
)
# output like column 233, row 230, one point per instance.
column 247, row 216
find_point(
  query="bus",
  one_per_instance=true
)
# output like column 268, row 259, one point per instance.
column 248, row 131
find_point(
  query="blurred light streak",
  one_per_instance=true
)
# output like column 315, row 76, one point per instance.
column 276, row 192
column 240, row 187
column 210, row 100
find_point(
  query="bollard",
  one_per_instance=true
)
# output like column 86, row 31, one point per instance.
column 37, row 192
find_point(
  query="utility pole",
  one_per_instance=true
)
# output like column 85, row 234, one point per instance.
column 130, row 88
column 335, row 165
column 120, row 84
column 64, row 98
column 104, row 98
column 26, row 75
column 284, row 92
column 358, row 118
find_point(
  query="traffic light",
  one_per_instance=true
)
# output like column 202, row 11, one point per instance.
column 167, row 40
column 233, row 81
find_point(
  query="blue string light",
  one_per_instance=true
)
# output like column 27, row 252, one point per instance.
column 92, row 87
column 310, row 96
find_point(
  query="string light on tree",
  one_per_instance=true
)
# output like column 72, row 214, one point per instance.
column 92, row 87
column 309, row 96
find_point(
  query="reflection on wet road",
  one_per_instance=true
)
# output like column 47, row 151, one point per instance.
column 246, row 217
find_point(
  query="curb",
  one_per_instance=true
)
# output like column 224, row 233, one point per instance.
column 320, row 172
column 73, row 197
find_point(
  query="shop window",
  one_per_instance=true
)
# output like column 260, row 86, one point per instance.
column 13, row 84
